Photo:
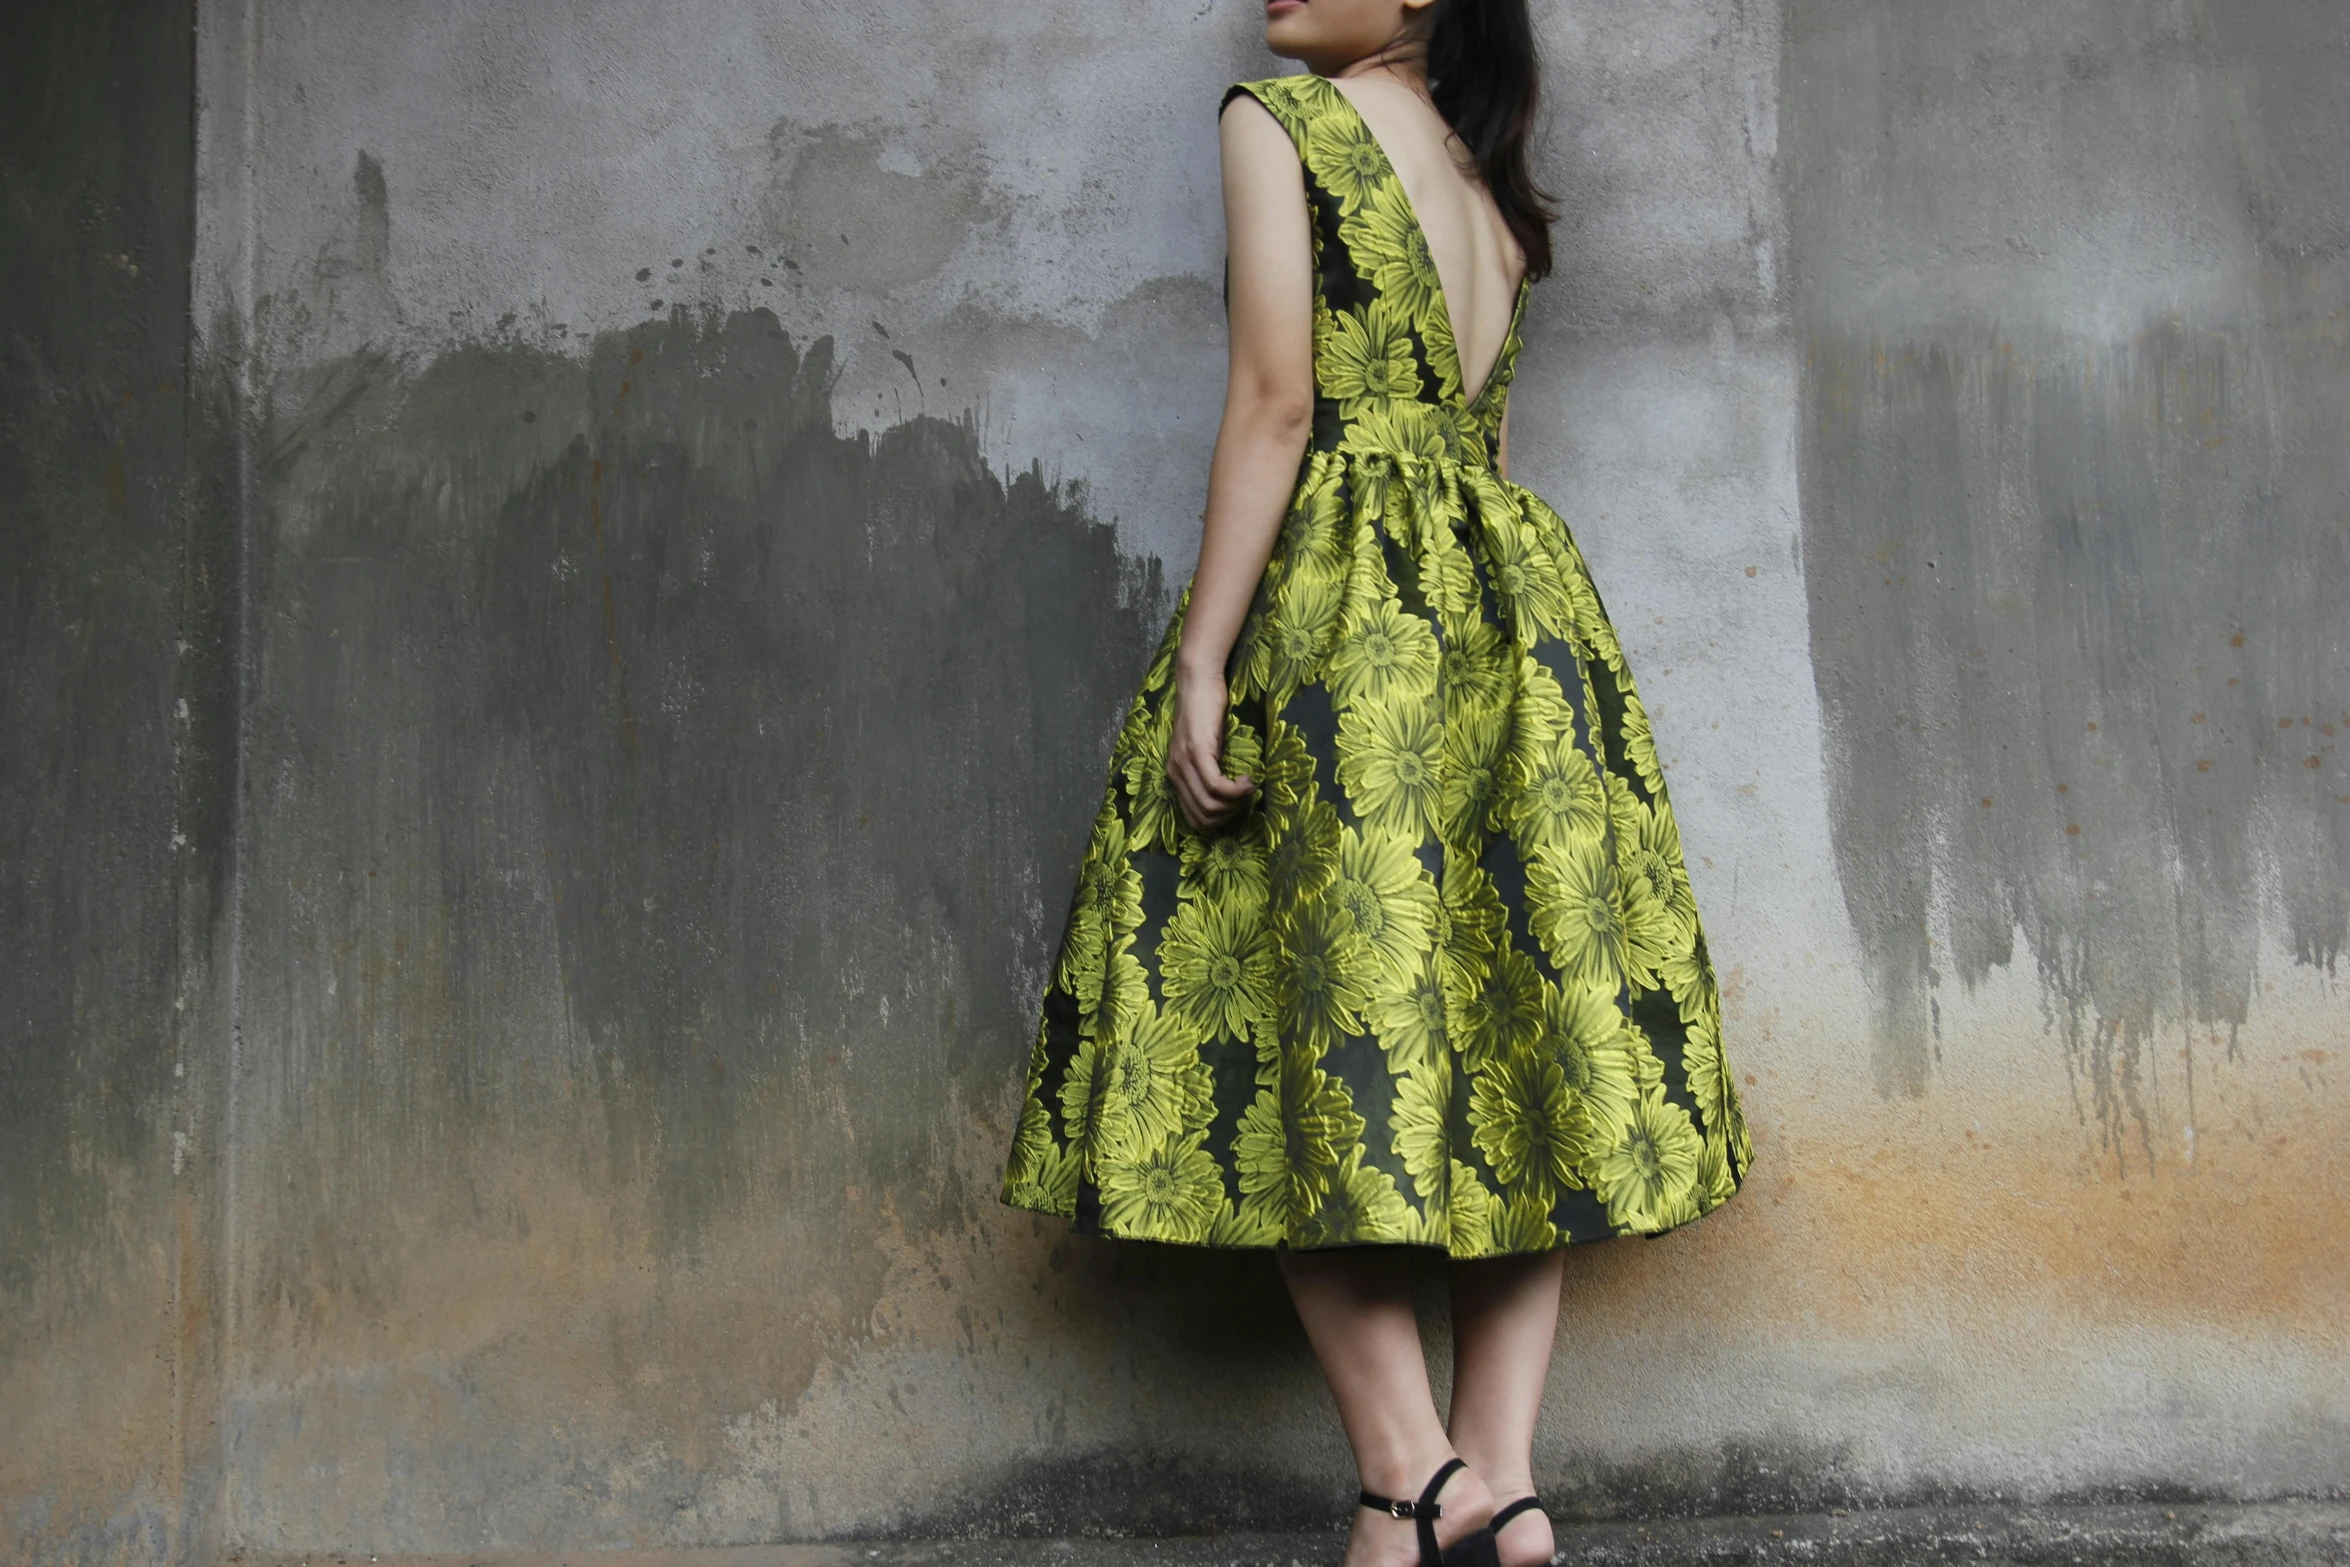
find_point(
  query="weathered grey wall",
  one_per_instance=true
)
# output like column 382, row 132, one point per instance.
column 2070, row 295
column 117, row 620
column 2076, row 517
column 671, row 505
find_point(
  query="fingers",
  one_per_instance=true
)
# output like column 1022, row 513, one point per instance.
column 1204, row 797
column 1187, row 793
column 1234, row 789
column 1201, row 804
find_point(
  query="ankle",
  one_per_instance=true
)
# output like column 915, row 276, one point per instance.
column 1465, row 1500
column 1507, row 1475
column 1401, row 1471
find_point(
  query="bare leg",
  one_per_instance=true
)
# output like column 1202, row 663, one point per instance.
column 1357, row 1309
column 1505, row 1313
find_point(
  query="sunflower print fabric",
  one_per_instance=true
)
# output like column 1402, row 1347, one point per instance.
column 1443, row 984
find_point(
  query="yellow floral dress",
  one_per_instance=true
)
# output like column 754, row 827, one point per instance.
column 1443, row 984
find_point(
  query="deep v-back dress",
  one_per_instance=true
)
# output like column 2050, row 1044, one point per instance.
column 1443, row 982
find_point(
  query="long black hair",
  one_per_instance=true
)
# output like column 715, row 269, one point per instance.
column 1486, row 77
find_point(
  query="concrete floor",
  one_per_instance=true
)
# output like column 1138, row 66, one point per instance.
column 2273, row 1534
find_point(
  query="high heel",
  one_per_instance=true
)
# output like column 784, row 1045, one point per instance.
column 1501, row 1518
column 1476, row 1549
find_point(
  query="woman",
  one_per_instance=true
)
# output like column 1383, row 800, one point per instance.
column 1383, row 938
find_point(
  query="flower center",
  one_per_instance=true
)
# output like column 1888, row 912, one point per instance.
column 1291, row 869
column 1642, row 1148
column 1577, row 1066
column 1313, row 974
column 1361, row 906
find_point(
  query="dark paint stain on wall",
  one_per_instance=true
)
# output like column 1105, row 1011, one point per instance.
column 2076, row 597
column 655, row 794
column 2066, row 610
column 116, row 610
column 373, row 249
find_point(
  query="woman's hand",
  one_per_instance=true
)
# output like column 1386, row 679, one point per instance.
column 1195, row 753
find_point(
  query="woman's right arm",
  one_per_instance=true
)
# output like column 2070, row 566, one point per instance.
column 1268, row 417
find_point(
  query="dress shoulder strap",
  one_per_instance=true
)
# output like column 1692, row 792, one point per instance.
column 1290, row 99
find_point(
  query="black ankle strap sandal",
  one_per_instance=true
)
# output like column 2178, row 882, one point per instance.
column 1524, row 1504
column 1471, row 1550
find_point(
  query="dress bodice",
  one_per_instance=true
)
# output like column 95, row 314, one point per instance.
column 1387, row 371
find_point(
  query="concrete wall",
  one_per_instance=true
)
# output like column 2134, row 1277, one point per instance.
column 117, row 627
column 666, row 507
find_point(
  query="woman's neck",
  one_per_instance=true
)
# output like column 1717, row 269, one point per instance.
column 1405, row 63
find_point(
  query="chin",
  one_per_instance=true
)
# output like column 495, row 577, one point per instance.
column 1289, row 30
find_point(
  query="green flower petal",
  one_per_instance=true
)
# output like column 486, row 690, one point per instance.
column 1363, row 1205
column 1387, row 896
column 1418, row 1134
column 1554, row 800
column 1169, row 1190
column 1577, row 911
column 1345, row 159
column 1390, row 761
column 1646, row 1166
column 1366, row 354
column 1157, row 1080
column 1390, row 248
column 1501, row 1007
column 1524, row 1120
column 1289, row 1145
column 1322, row 974
column 1410, row 1018
column 1216, row 967
column 1384, row 656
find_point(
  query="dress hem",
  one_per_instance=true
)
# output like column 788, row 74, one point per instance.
column 1101, row 1232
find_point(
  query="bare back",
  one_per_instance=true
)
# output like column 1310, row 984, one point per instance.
column 1477, row 260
